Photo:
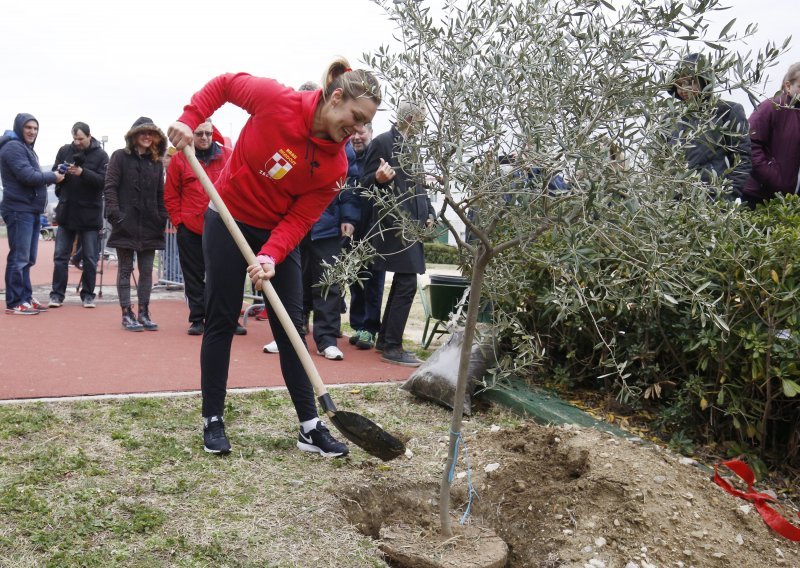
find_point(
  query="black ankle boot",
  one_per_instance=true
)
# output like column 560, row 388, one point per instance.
column 144, row 318
column 129, row 322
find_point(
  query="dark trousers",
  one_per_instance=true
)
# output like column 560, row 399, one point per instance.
column 326, row 305
column 193, row 266
column 144, row 285
column 365, row 303
column 398, row 306
column 89, row 244
column 226, row 270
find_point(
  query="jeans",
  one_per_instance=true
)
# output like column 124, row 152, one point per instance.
column 23, row 244
column 89, row 242
column 144, row 286
column 326, row 306
column 365, row 303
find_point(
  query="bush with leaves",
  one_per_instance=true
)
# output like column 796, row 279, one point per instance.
column 439, row 253
column 705, row 318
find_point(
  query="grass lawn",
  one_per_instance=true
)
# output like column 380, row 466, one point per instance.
column 127, row 483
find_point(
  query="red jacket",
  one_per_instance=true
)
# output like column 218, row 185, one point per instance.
column 184, row 197
column 279, row 176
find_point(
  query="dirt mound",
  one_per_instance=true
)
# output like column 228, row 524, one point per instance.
column 577, row 497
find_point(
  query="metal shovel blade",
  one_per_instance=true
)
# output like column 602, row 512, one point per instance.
column 367, row 435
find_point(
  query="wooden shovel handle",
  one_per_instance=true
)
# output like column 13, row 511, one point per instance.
column 272, row 296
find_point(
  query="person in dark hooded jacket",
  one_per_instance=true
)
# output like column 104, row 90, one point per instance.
column 79, row 212
column 712, row 133
column 134, row 192
column 24, row 199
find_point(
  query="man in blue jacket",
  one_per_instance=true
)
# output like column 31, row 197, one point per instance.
column 24, row 200
column 322, row 245
column 366, row 295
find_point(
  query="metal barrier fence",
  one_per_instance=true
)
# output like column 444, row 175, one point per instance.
column 170, row 273
column 169, row 265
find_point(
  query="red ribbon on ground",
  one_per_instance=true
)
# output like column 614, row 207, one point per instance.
column 774, row 520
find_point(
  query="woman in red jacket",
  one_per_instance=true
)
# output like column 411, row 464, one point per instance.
column 285, row 169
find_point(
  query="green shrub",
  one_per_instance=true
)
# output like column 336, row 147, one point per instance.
column 700, row 316
column 439, row 253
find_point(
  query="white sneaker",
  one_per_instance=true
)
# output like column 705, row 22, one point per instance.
column 332, row 352
column 271, row 347
column 87, row 303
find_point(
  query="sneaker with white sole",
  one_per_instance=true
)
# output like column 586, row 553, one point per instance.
column 37, row 305
column 22, row 310
column 271, row 347
column 214, row 439
column 54, row 303
column 321, row 441
column 332, row 353
column 89, row 303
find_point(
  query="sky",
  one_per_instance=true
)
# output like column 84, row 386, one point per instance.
column 107, row 63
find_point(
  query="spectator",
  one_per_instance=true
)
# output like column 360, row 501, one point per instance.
column 167, row 158
column 775, row 136
column 382, row 169
column 79, row 212
column 186, row 202
column 366, row 295
column 24, row 200
column 134, row 192
column 323, row 244
column 723, row 148
column 301, row 135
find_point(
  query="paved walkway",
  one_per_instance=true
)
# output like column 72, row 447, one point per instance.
column 72, row 351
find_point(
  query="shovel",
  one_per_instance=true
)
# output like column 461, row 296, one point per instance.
column 360, row 430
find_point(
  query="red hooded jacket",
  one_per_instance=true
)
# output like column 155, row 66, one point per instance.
column 279, row 176
column 184, row 197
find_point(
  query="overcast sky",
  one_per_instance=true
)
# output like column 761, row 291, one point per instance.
column 108, row 62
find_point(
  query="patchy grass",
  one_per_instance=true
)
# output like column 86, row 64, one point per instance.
column 127, row 483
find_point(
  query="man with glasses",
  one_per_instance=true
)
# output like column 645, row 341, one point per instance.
column 186, row 203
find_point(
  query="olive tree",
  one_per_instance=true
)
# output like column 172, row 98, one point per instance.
column 521, row 94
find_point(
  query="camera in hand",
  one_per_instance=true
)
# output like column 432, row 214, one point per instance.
column 63, row 167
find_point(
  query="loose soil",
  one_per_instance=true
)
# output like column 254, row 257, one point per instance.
column 573, row 497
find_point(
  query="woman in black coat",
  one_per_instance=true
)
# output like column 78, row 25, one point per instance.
column 134, row 193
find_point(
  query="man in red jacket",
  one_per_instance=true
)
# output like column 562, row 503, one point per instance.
column 186, row 203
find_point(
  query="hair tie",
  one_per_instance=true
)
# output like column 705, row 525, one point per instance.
column 346, row 69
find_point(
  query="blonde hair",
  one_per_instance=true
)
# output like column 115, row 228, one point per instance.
column 354, row 84
column 791, row 75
